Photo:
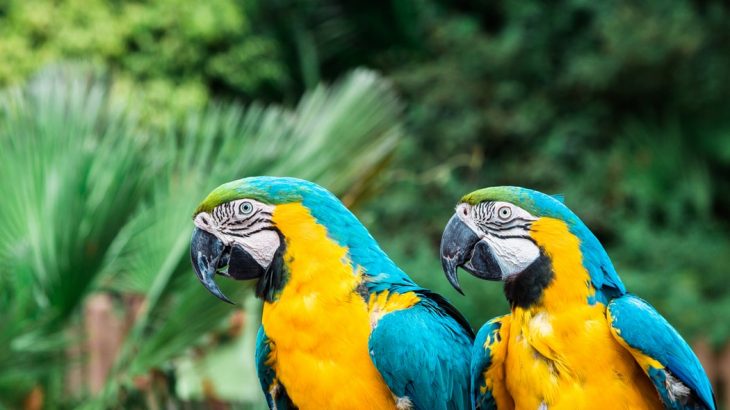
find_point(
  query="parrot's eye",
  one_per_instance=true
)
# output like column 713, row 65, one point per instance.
column 245, row 208
column 504, row 213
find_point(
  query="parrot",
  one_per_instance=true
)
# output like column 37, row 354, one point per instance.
column 574, row 337
column 342, row 327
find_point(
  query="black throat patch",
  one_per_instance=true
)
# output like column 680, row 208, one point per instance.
column 273, row 281
column 525, row 289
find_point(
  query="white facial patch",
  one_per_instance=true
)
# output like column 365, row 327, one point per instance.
column 246, row 223
column 513, row 255
column 506, row 229
column 262, row 246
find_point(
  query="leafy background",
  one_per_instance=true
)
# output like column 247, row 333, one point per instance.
column 118, row 116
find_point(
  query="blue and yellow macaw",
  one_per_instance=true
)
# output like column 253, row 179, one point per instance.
column 342, row 327
column 575, row 339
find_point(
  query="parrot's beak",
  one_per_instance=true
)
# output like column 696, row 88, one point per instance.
column 207, row 255
column 462, row 247
column 210, row 256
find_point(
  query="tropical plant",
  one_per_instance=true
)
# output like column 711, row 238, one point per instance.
column 94, row 203
column 70, row 175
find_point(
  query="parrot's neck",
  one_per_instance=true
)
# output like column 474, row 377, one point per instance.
column 557, row 281
column 319, row 324
column 363, row 252
column 527, row 288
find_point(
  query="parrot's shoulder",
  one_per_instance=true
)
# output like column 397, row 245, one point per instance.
column 488, row 354
column 662, row 353
column 423, row 351
column 276, row 396
column 442, row 306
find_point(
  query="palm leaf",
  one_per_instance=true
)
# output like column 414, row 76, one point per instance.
column 70, row 180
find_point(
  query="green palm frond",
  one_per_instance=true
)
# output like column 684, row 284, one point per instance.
column 70, row 179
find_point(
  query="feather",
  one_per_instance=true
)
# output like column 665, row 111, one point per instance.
column 662, row 353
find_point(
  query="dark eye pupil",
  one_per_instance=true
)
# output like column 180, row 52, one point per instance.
column 246, row 208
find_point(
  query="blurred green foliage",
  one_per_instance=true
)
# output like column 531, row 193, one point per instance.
column 179, row 52
column 621, row 106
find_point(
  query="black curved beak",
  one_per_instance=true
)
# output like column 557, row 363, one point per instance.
column 209, row 256
column 457, row 243
column 461, row 247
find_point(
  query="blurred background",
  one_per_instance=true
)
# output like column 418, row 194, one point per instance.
column 117, row 117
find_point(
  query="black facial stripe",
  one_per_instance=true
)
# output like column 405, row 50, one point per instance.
column 226, row 221
column 248, row 234
column 497, row 223
column 265, row 228
column 248, row 226
column 497, row 226
column 513, row 220
column 486, row 218
column 529, row 238
column 484, row 210
column 478, row 212
column 491, row 227
column 223, row 213
column 230, row 212
column 243, row 221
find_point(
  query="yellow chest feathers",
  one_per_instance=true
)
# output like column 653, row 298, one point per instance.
column 572, row 361
column 560, row 352
column 319, row 326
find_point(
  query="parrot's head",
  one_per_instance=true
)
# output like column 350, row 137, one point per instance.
column 237, row 233
column 243, row 230
column 514, row 235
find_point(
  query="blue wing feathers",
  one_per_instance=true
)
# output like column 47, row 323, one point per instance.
column 481, row 359
column 267, row 376
column 265, row 373
column 447, row 309
column 423, row 354
column 645, row 330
